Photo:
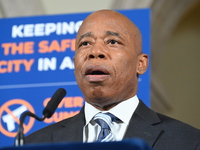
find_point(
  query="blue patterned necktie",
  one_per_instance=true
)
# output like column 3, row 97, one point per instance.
column 104, row 120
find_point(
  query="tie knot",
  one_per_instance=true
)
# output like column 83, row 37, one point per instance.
column 104, row 119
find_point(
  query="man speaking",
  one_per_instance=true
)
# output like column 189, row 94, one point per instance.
column 108, row 60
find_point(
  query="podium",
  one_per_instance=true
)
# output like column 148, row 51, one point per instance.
column 129, row 144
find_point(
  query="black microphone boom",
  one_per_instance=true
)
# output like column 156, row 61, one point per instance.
column 47, row 113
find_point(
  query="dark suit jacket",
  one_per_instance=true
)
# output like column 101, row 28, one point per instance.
column 159, row 131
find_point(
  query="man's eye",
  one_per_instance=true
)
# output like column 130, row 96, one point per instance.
column 84, row 44
column 113, row 42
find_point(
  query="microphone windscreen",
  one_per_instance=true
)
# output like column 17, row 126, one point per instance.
column 54, row 102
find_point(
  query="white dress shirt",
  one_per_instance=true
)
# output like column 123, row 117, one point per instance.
column 123, row 111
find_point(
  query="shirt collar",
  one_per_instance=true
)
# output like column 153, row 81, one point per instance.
column 123, row 110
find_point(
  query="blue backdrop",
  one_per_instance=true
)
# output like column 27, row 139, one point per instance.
column 36, row 58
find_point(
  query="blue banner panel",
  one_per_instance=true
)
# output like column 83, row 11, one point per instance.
column 36, row 58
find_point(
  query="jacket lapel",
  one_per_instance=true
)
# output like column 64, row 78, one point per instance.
column 142, row 125
column 71, row 130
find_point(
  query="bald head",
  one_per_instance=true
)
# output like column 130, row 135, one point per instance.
column 113, row 17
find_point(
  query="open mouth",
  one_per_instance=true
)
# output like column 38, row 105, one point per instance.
column 96, row 70
column 96, row 73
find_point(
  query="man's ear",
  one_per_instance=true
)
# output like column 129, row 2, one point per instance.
column 142, row 63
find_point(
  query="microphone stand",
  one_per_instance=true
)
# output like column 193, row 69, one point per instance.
column 47, row 113
column 19, row 139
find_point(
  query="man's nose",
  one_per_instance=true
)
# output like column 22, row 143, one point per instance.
column 98, row 51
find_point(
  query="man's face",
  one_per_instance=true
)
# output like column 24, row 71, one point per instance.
column 106, row 60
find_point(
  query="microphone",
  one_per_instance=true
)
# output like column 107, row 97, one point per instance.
column 54, row 102
column 47, row 113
